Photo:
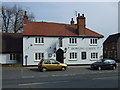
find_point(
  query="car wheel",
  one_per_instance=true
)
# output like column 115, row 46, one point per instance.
column 63, row 68
column 113, row 67
column 99, row 68
column 44, row 69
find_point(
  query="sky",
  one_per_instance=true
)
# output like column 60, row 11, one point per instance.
column 101, row 17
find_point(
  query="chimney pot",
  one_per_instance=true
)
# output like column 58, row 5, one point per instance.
column 25, row 17
column 83, row 15
column 72, row 21
column 78, row 14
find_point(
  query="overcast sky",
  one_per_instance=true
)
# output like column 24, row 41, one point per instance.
column 101, row 17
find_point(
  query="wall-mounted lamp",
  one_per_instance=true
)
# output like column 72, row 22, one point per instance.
column 54, row 50
column 65, row 50
column 82, row 38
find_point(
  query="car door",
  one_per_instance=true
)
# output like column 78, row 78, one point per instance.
column 55, row 65
column 48, row 64
column 106, row 64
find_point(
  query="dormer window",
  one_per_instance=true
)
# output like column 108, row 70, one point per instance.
column 39, row 40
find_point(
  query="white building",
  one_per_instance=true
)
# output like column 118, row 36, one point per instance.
column 11, row 48
column 68, row 43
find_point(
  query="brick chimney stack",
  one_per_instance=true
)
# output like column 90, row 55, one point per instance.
column 72, row 22
column 25, row 19
column 81, row 24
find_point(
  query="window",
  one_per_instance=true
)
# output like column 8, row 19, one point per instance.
column 55, row 62
column 115, row 54
column 39, row 40
column 39, row 56
column 83, row 55
column 60, row 42
column 12, row 56
column 73, row 55
column 47, row 62
column 110, row 54
column 93, row 41
column 73, row 40
column 113, row 45
column 94, row 55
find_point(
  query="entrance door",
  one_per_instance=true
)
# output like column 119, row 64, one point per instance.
column 59, row 55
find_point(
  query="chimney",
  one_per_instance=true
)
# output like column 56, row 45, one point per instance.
column 25, row 19
column 72, row 22
column 81, row 24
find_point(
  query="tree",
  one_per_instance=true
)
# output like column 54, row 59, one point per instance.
column 12, row 19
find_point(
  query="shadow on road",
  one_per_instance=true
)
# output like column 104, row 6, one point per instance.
column 35, row 70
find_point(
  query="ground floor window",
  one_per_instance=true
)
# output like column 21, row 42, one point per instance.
column 12, row 56
column 110, row 54
column 115, row 54
column 83, row 55
column 94, row 55
column 39, row 56
column 73, row 55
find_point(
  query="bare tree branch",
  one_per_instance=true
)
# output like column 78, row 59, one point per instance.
column 12, row 18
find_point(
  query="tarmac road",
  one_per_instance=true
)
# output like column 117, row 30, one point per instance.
column 73, row 77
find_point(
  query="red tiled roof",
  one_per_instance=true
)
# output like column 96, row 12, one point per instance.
column 55, row 29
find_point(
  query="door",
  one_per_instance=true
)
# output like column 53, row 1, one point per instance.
column 55, row 65
column 60, row 55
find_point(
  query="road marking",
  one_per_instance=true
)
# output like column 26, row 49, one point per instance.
column 25, row 84
column 28, row 76
column 103, row 78
column 31, row 84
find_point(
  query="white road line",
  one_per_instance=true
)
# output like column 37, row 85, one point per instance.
column 103, row 78
column 28, row 76
column 25, row 84
column 31, row 84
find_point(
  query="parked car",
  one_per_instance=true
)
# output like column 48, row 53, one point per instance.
column 51, row 64
column 104, row 64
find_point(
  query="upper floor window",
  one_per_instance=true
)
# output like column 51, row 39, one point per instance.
column 12, row 56
column 39, row 40
column 73, row 40
column 93, row 41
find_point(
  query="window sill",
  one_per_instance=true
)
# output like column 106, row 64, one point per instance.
column 72, row 59
column 72, row 44
column 93, row 44
column 38, row 43
column 36, row 60
column 93, row 59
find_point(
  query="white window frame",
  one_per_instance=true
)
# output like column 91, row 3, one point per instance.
column 40, row 56
column 72, row 41
column 94, row 55
column 93, row 41
column 73, row 56
column 39, row 40
column 12, row 56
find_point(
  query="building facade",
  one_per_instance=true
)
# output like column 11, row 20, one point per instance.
column 111, row 47
column 11, row 48
column 68, row 43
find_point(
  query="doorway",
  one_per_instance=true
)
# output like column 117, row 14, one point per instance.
column 60, row 55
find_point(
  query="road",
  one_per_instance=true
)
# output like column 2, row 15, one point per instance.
column 73, row 77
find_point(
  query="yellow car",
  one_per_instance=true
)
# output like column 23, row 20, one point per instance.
column 51, row 64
